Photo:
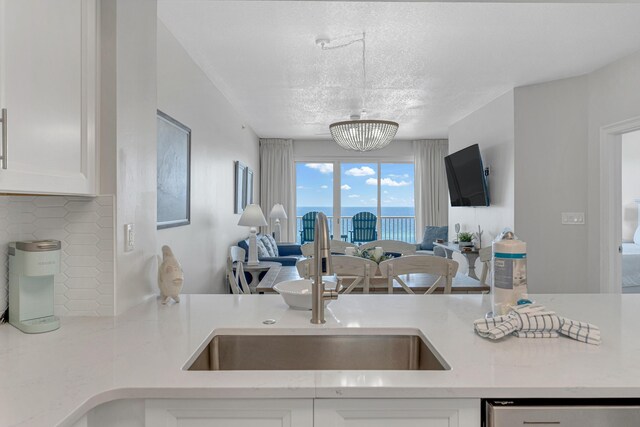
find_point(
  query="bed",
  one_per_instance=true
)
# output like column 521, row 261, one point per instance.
column 630, row 264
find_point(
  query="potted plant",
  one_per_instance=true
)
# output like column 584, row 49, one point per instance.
column 465, row 239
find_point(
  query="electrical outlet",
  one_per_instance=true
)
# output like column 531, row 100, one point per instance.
column 129, row 238
column 573, row 218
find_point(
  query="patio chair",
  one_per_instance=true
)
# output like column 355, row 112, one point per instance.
column 445, row 268
column 237, row 279
column 308, row 227
column 364, row 227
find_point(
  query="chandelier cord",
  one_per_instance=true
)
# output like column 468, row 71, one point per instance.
column 324, row 46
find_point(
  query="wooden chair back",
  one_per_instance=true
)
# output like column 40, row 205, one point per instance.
column 444, row 268
column 351, row 267
column 237, row 280
column 364, row 227
column 339, row 246
column 395, row 246
column 304, row 268
column 308, row 227
column 485, row 255
column 307, row 249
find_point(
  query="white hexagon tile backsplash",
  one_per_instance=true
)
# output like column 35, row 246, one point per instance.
column 85, row 226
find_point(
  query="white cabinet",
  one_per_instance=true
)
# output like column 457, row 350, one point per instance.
column 397, row 412
column 48, row 87
column 229, row 412
column 312, row 413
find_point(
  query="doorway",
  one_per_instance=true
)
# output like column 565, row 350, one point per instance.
column 611, row 212
column 630, row 197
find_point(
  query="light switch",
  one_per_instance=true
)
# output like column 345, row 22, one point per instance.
column 129, row 238
column 573, row 218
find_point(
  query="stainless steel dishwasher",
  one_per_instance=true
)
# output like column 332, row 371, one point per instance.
column 562, row 412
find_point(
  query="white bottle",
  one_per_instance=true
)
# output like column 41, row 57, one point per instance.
column 509, row 268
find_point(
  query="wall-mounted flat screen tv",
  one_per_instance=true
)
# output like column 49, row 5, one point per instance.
column 466, row 178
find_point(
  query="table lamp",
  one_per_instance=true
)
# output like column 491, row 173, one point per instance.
column 252, row 217
column 277, row 213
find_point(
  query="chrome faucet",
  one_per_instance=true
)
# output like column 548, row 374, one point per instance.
column 323, row 267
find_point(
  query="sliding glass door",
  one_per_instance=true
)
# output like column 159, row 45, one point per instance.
column 314, row 193
column 343, row 189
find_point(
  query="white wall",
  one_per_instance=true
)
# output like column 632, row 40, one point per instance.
column 218, row 138
column 128, row 139
column 550, row 176
column 491, row 127
column 630, row 184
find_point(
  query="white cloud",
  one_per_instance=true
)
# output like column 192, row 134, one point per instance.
column 363, row 171
column 354, row 196
column 388, row 182
column 393, row 175
column 324, row 186
column 300, row 187
column 345, row 187
column 373, row 199
column 385, row 192
column 325, row 168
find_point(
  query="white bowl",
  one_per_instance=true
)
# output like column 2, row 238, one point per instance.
column 297, row 293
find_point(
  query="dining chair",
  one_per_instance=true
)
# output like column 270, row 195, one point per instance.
column 237, row 279
column 307, row 249
column 444, row 268
column 364, row 227
column 352, row 267
column 340, row 246
column 485, row 255
column 304, row 268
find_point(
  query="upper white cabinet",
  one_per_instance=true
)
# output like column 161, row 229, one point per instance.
column 48, row 83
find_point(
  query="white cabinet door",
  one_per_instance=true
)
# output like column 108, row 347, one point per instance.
column 48, row 88
column 397, row 413
column 229, row 412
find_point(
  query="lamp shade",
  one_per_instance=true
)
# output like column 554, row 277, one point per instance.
column 252, row 217
column 278, row 212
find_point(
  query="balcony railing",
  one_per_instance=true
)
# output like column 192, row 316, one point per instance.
column 401, row 228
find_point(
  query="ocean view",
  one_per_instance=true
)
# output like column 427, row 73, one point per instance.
column 397, row 222
column 350, row 211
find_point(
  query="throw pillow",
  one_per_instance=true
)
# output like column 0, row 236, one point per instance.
column 431, row 234
column 262, row 250
column 272, row 242
column 267, row 245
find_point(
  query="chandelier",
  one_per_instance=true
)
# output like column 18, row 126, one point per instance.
column 359, row 134
column 363, row 135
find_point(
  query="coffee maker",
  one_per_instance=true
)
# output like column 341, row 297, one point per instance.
column 32, row 266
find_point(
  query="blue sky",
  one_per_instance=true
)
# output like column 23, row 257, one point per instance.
column 314, row 182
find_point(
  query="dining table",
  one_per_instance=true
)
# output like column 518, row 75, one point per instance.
column 418, row 282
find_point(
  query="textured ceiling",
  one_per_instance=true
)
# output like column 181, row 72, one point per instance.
column 428, row 64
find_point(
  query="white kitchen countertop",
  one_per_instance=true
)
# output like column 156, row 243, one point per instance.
column 54, row 378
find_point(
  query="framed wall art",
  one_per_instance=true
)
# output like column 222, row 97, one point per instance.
column 174, row 172
column 240, row 183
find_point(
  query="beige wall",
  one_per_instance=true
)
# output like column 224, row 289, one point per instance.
column 218, row 138
column 630, row 184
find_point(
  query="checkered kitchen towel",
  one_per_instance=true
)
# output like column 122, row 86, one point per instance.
column 533, row 321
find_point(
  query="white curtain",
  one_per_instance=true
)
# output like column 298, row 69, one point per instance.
column 431, row 195
column 277, row 184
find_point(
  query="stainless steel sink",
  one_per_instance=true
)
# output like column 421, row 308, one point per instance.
column 317, row 352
